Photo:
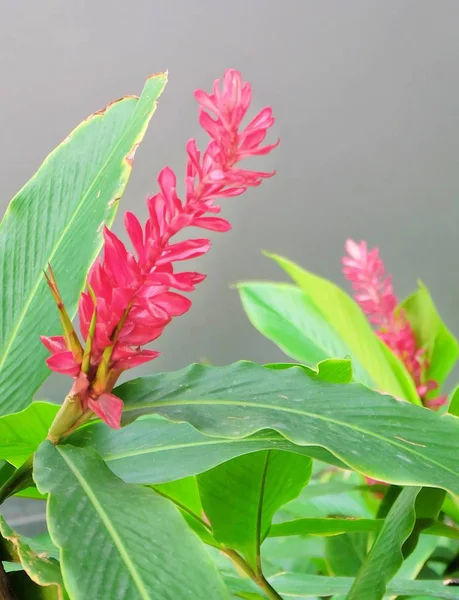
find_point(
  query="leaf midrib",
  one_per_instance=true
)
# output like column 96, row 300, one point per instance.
column 109, row 526
column 218, row 401
column 63, row 234
column 152, row 450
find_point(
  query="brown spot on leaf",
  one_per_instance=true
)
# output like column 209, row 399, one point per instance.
column 110, row 104
column 131, row 154
column 159, row 74
column 114, row 201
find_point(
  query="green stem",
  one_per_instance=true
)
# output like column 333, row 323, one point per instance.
column 237, row 559
column 18, row 481
column 260, row 513
column 260, row 580
column 69, row 413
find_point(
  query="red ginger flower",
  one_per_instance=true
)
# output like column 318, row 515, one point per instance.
column 129, row 301
column 374, row 292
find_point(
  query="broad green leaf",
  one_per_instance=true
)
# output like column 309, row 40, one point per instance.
column 243, row 588
column 185, row 495
column 442, row 349
column 405, row 444
column 294, row 585
column 333, row 370
column 451, row 508
column 57, row 218
column 412, row 566
column 345, row 554
column 157, row 451
column 293, row 554
column 285, row 315
column 385, row 556
column 427, row 507
column 325, row 526
column 330, row 526
column 241, row 496
column 454, row 403
column 11, row 567
column 184, row 492
column 336, row 498
column 43, row 570
column 22, row 433
column 139, row 547
column 345, row 316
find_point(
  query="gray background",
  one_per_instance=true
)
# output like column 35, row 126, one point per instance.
column 366, row 97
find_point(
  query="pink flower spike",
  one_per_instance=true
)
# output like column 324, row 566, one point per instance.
column 129, row 298
column 373, row 289
column 374, row 293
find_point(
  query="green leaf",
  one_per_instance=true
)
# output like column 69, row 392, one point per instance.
column 333, row 370
column 185, row 495
column 285, row 315
column 345, row 554
column 294, row 585
column 335, row 498
column 454, row 403
column 139, row 547
column 405, row 444
column 22, row 433
column 293, row 554
column 11, row 567
column 24, row 588
column 43, row 570
column 326, row 526
column 6, row 470
column 427, row 507
column 243, row 588
column 57, row 218
column 155, row 450
column 330, row 526
column 385, row 556
column 442, row 349
column 241, row 496
column 345, row 316
column 412, row 565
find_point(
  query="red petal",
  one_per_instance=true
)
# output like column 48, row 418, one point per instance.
column 109, row 408
column 184, row 251
column 212, row 223
column 55, row 344
column 134, row 359
column 140, row 335
column 135, row 232
column 116, row 259
column 174, row 304
column 168, row 183
column 63, row 363
column 85, row 312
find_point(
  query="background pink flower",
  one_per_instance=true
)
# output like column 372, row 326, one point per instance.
column 374, row 292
